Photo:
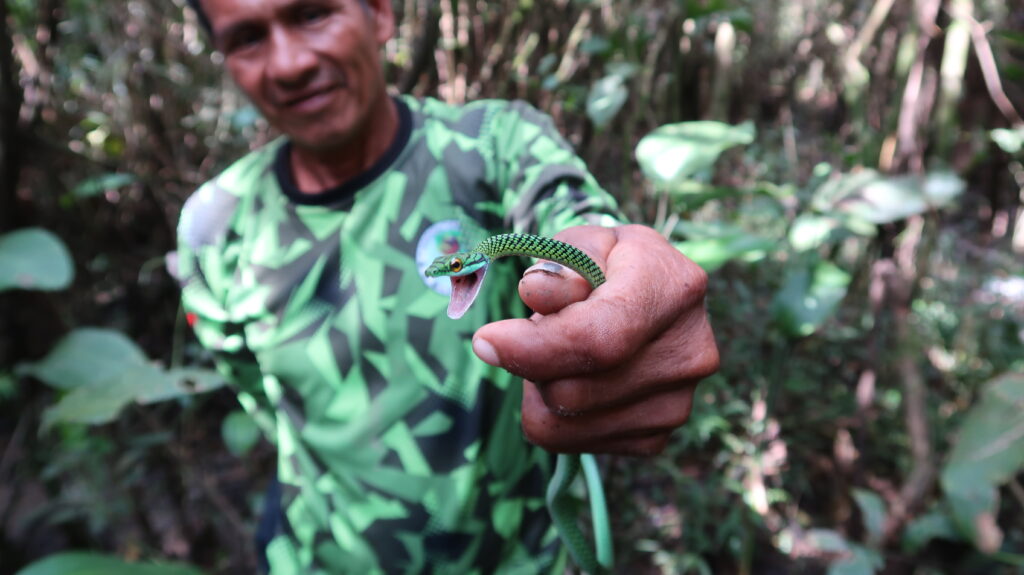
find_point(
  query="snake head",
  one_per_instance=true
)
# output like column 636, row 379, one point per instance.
column 457, row 264
column 466, row 270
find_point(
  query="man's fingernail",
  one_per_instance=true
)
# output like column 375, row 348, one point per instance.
column 485, row 351
column 546, row 267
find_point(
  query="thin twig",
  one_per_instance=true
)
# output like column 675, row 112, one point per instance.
column 990, row 72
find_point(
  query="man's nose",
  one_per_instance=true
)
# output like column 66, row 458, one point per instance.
column 292, row 61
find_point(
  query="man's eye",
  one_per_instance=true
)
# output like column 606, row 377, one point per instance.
column 241, row 40
column 311, row 14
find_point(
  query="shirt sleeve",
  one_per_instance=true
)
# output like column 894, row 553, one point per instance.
column 204, row 270
column 545, row 186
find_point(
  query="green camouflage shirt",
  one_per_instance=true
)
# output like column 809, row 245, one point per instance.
column 399, row 450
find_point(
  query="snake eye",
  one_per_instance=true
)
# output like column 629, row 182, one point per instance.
column 455, row 265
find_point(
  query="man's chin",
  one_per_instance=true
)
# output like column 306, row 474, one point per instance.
column 319, row 142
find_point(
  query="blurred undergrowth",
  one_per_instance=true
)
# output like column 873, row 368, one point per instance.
column 851, row 174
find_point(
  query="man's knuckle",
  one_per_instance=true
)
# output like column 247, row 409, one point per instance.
column 567, row 397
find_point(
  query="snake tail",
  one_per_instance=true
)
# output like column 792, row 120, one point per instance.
column 467, row 271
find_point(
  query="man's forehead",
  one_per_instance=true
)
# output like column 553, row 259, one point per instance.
column 220, row 9
column 231, row 10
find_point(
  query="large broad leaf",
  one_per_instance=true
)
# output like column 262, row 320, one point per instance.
column 712, row 253
column 712, row 244
column 881, row 199
column 86, row 357
column 103, row 371
column 143, row 384
column 82, row 563
column 989, row 451
column 675, row 152
column 809, row 296
column 34, row 258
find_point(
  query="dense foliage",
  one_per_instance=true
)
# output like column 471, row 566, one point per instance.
column 851, row 173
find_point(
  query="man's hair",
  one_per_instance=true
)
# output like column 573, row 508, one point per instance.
column 204, row 21
column 201, row 14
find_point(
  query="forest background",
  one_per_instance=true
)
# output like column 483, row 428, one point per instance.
column 850, row 173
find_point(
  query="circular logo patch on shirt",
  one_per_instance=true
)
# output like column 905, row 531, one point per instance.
column 440, row 239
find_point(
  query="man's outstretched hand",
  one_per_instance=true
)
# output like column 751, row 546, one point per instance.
column 614, row 372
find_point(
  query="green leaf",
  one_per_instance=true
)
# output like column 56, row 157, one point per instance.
column 1011, row 141
column 606, row 98
column 8, row 388
column 595, row 45
column 860, row 561
column 34, row 258
column 84, row 563
column 712, row 253
column 103, row 371
column 853, row 559
column 936, row 524
column 240, row 432
column 811, row 231
column 99, row 184
column 881, row 199
column 872, row 511
column 86, row 357
column 142, row 384
column 827, row 540
column 809, row 296
column 675, row 152
column 244, row 117
column 989, row 450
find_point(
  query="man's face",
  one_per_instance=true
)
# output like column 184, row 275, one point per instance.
column 311, row 66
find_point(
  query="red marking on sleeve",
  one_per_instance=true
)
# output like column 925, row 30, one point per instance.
column 191, row 319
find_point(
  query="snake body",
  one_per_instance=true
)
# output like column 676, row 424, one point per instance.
column 467, row 270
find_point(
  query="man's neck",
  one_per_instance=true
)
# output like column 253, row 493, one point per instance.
column 319, row 170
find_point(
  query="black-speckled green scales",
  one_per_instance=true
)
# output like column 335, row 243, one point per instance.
column 528, row 245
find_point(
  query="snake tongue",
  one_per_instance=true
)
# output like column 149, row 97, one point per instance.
column 464, row 290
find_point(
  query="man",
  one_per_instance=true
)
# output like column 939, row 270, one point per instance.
column 400, row 431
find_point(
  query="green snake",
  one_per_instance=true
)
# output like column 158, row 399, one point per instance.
column 466, row 271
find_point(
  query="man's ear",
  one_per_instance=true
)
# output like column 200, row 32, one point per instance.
column 383, row 18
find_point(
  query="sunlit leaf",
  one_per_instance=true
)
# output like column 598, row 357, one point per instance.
column 881, row 199
column 675, row 152
column 1010, row 140
column 811, row 231
column 989, row 450
column 85, row 563
column 606, row 98
column 809, row 296
column 712, row 253
column 34, row 258
column 240, row 432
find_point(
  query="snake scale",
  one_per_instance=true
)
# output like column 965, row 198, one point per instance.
column 467, row 271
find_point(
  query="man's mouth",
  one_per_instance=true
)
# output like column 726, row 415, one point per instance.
column 310, row 100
